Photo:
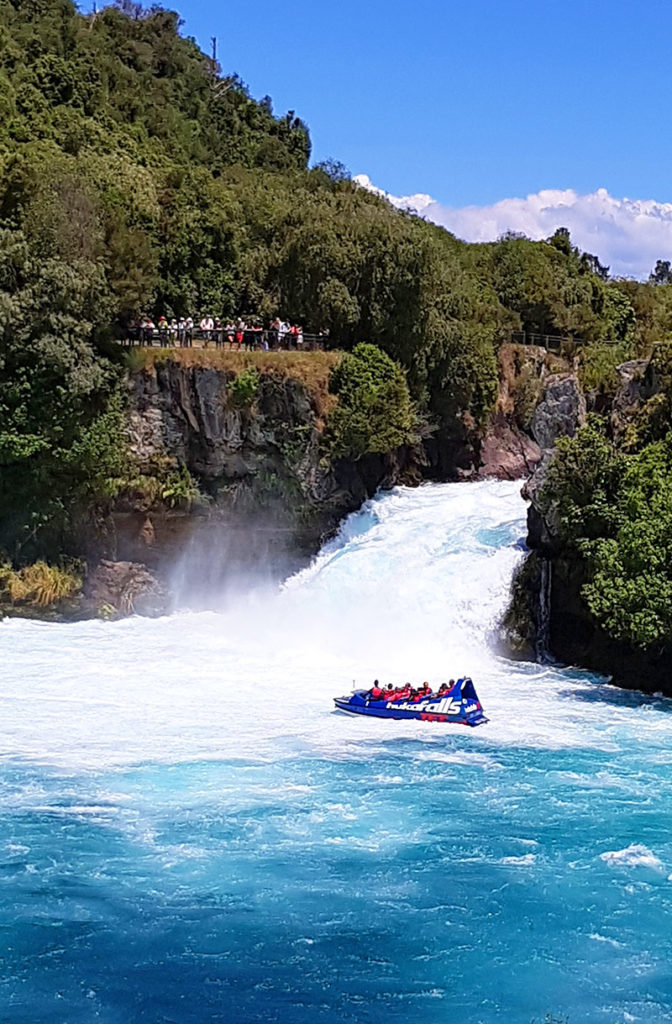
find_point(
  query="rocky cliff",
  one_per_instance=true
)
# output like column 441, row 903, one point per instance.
column 234, row 483
column 549, row 615
column 233, row 480
column 535, row 403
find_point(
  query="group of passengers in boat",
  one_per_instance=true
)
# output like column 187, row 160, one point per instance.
column 408, row 692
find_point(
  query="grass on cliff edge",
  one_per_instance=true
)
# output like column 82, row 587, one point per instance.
column 310, row 368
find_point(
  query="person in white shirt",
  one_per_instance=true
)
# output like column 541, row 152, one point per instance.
column 207, row 326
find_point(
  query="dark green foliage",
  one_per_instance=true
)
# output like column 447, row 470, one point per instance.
column 374, row 412
column 598, row 367
column 60, row 415
column 580, row 486
column 630, row 591
column 615, row 511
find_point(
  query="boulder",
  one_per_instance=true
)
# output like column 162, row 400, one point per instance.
column 128, row 588
column 506, row 452
column 561, row 411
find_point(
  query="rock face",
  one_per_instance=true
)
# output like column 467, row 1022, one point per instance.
column 506, row 452
column 539, row 400
column 187, row 413
column 561, row 411
column 267, row 497
column 125, row 588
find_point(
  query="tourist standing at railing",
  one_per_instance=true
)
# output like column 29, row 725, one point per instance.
column 283, row 331
column 189, row 332
column 172, row 331
column 163, row 331
column 230, row 333
column 182, row 332
column 207, row 327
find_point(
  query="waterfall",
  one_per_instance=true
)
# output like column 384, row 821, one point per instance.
column 544, row 613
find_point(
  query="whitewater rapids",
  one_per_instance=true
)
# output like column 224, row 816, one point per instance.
column 178, row 798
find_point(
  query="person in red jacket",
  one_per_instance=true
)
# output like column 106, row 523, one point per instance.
column 376, row 692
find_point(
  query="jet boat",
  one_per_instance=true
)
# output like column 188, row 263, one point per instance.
column 458, row 706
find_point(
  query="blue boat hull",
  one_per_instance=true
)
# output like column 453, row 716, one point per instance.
column 460, row 706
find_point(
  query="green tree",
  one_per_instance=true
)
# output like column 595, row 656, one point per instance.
column 374, row 413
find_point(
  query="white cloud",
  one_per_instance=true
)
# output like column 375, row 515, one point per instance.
column 418, row 203
column 628, row 235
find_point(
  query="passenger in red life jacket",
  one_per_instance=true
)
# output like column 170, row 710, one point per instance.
column 376, row 692
column 425, row 690
column 390, row 692
column 405, row 692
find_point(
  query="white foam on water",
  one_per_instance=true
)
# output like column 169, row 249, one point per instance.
column 634, row 856
column 524, row 860
column 596, row 937
column 411, row 589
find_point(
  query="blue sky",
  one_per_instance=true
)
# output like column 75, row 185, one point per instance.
column 470, row 101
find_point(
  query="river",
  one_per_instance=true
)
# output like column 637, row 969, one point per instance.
column 189, row 833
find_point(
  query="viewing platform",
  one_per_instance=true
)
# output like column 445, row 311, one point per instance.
column 264, row 340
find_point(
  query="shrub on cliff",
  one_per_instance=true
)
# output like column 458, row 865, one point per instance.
column 245, row 387
column 374, row 413
column 615, row 513
column 630, row 585
column 581, row 486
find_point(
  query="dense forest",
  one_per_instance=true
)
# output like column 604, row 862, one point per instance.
column 138, row 178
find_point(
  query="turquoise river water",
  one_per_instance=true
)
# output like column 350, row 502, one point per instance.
column 189, row 833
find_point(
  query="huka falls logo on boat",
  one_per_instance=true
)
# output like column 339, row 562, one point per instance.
column 445, row 706
column 457, row 704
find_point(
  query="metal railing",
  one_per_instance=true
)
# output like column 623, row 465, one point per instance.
column 265, row 340
column 551, row 342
